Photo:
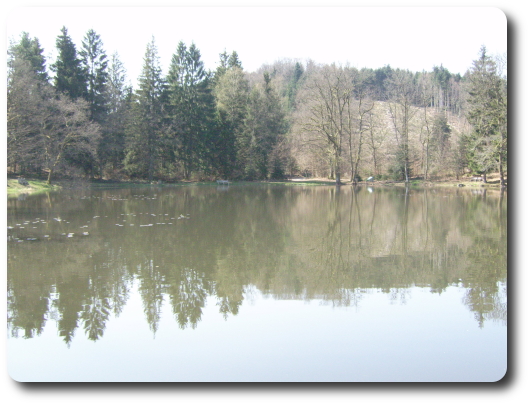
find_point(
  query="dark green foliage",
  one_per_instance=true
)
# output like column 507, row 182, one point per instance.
column 69, row 75
column 226, row 62
column 146, row 120
column 440, row 134
column 231, row 90
column 94, row 65
column 379, row 82
column 29, row 50
column 294, row 85
column 118, row 96
column 399, row 169
column 487, row 112
column 442, row 76
column 222, row 146
column 458, row 160
column 192, row 109
column 233, row 61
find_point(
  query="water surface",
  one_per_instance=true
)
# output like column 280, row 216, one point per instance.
column 258, row 283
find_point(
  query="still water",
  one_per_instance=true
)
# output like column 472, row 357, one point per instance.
column 257, row 283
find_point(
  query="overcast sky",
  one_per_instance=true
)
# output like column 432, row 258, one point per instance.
column 409, row 38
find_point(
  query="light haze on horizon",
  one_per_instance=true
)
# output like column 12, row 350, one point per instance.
column 408, row 38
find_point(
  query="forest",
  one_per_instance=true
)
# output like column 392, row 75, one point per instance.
column 78, row 117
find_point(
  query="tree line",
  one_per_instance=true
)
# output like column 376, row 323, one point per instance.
column 285, row 119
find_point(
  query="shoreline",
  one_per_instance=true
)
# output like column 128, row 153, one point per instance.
column 15, row 189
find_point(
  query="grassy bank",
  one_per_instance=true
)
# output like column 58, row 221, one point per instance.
column 14, row 188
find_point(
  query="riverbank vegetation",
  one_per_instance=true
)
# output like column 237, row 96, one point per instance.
column 77, row 118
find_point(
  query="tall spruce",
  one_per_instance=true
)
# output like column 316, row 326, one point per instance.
column 145, row 129
column 111, row 149
column 487, row 113
column 234, row 61
column 69, row 75
column 192, row 108
column 231, row 96
column 293, row 85
column 94, row 64
column 29, row 49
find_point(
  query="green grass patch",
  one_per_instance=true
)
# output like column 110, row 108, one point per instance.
column 14, row 188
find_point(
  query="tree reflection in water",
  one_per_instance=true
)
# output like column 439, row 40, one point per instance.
column 335, row 245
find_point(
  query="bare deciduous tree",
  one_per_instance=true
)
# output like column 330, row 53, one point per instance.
column 68, row 131
column 360, row 112
column 402, row 93
column 327, row 98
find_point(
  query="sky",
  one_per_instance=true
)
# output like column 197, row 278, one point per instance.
column 402, row 37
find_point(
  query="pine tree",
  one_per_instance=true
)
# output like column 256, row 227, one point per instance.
column 234, row 62
column 441, row 133
column 222, row 150
column 117, row 89
column 231, row 90
column 441, row 79
column 223, row 65
column 293, row 85
column 30, row 50
column 69, row 75
column 487, row 113
column 118, row 94
column 231, row 95
column 147, row 118
column 192, row 107
column 94, row 65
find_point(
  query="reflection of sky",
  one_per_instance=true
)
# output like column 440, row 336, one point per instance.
column 428, row 337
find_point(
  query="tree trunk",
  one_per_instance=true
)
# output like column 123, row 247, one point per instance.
column 150, row 167
column 357, row 160
column 406, row 161
column 57, row 159
column 353, row 180
column 337, row 168
column 49, row 180
column 501, row 172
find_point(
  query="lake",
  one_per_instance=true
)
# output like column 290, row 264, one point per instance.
column 258, row 282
